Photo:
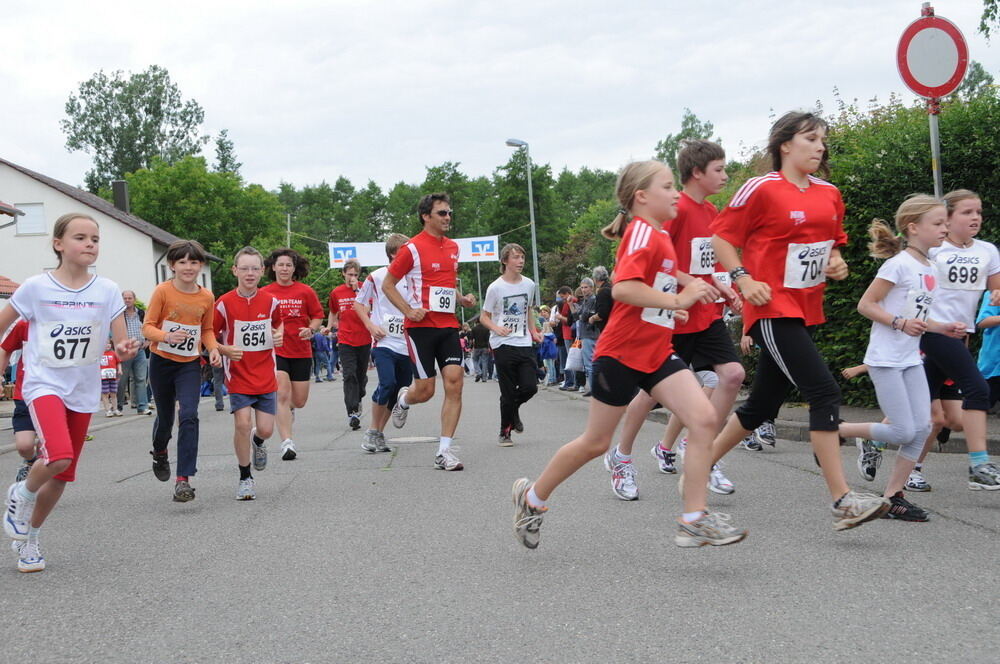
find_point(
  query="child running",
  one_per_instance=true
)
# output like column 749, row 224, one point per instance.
column 24, row 428
column 899, row 302
column 70, row 313
column 302, row 315
column 392, row 361
column 634, row 352
column 789, row 225
column 178, row 322
column 249, row 322
column 507, row 314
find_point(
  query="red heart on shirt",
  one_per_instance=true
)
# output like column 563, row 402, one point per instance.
column 929, row 282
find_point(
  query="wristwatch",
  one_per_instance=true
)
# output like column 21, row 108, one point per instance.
column 738, row 272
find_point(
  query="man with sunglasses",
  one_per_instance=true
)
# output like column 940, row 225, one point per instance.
column 429, row 263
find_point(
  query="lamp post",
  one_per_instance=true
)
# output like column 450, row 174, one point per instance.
column 517, row 143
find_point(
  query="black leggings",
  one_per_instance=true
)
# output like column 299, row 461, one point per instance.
column 788, row 357
column 947, row 357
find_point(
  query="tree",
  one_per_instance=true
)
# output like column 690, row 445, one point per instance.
column 225, row 154
column 691, row 127
column 126, row 123
column 990, row 17
column 977, row 81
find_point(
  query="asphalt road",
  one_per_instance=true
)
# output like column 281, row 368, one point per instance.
column 350, row 557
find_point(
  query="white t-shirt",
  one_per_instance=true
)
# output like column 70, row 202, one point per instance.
column 384, row 313
column 510, row 306
column 68, row 331
column 912, row 296
column 963, row 273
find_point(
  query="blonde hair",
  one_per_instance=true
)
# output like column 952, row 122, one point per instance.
column 953, row 198
column 506, row 251
column 634, row 177
column 62, row 223
column 248, row 251
column 885, row 243
column 392, row 245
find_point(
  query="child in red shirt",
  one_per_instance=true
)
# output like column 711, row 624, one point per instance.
column 110, row 373
column 24, row 428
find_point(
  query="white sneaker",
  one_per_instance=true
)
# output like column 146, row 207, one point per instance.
column 447, row 461
column 29, row 556
column 623, row 480
column 398, row 413
column 18, row 514
column 681, row 447
column 719, row 483
column 288, row 450
column 246, row 490
column 109, row 413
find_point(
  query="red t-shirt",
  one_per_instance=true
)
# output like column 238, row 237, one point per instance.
column 14, row 341
column 109, row 365
column 351, row 331
column 692, row 240
column 787, row 236
column 298, row 304
column 430, row 266
column 639, row 337
column 246, row 322
column 567, row 328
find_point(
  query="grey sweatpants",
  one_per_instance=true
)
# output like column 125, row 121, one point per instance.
column 905, row 400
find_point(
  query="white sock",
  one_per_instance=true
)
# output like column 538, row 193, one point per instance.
column 22, row 490
column 691, row 517
column 402, row 402
column 623, row 458
column 534, row 500
column 445, row 444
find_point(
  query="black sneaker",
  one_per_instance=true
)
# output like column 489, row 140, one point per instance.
column 902, row 509
column 355, row 421
column 765, row 434
column 161, row 466
column 518, row 424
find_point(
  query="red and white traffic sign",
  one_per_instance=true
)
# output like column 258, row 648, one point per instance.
column 932, row 56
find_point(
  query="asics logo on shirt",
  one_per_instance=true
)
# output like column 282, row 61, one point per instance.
column 799, row 217
column 962, row 260
column 812, row 252
column 667, row 264
column 71, row 331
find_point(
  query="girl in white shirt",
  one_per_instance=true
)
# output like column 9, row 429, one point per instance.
column 898, row 302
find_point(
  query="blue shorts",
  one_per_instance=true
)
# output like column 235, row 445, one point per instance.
column 265, row 403
column 394, row 371
column 21, row 419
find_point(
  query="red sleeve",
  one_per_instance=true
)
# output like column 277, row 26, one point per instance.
column 840, row 238
column 275, row 313
column 402, row 263
column 635, row 258
column 16, row 337
column 313, row 308
column 331, row 302
column 219, row 320
column 735, row 223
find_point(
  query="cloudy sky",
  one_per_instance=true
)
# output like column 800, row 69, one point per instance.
column 310, row 90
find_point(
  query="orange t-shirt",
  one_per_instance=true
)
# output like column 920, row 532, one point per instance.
column 170, row 309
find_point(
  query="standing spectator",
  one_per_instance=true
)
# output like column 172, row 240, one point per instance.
column 565, row 311
column 136, row 370
column 321, row 356
column 480, row 336
column 331, row 373
column 588, row 331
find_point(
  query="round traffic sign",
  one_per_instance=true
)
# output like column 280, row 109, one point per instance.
column 932, row 56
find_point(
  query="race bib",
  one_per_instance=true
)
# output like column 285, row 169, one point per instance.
column 441, row 299
column 187, row 348
column 73, row 344
column 109, row 374
column 722, row 278
column 393, row 325
column 664, row 283
column 917, row 304
column 963, row 272
column 702, row 256
column 515, row 323
column 251, row 335
column 805, row 263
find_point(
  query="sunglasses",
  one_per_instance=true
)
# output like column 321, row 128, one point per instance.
column 444, row 213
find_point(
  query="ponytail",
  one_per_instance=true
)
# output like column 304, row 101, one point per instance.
column 885, row 243
column 616, row 229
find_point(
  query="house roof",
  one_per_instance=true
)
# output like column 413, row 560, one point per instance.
column 101, row 205
column 8, row 209
column 7, row 286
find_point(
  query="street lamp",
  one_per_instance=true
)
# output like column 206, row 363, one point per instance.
column 517, row 143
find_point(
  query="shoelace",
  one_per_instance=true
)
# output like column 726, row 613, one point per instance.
column 625, row 472
column 853, row 499
column 872, row 458
column 767, row 430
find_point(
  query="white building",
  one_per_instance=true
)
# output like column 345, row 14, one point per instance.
column 132, row 250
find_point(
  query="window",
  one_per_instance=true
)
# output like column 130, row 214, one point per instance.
column 33, row 220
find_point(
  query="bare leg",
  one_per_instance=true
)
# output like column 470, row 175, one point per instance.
column 380, row 416
column 635, row 415
column 826, row 445
column 901, row 470
column 284, row 414
column 46, row 501
column 730, row 436
column 420, row 391
column 451, row 410
column 241, row 435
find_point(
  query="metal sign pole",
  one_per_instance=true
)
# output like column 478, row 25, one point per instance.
column 933, row 110
column 479, row 279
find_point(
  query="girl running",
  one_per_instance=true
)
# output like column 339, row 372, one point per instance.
column 966, row 267
column 898, row 302
column 70, row 313
column 789, row 225
column 302, row 315
column 634, row 352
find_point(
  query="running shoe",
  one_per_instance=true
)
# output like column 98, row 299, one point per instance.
column 381, row 445
column 288, row 450
column 856, row 508
column 713, row 529
column 664, row 459
column 109, row 413
column 183, row 492
column 518, row 424
column 623, row 480
column 399, row 413
column 902, row 509
column 147, row 411
column 18, row 514
column 917, row 482
column 368, row 442
column 681, row 448
column 246, row 490
column 869, row 458
column 527, row 519
column 984, row 477
column 161, row 466
column 765, row 434
column 29, row 556
column 751, row 443
column 118, row 413
column 719, row 483
column 447, row 461
column 503, row 440
column 23, row 469
column 354, row 421
column 259, row 451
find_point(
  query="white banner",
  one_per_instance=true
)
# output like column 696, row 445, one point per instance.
column 483, row 249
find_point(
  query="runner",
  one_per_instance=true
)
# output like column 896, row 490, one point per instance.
column 789, row 225
column 899, row 302
column 70, row 313
column 250, row 323
column 178, row 321
column 966, row 266
column 302, row 315
column 385, row 324
column 507, row 313
column 429, row 263
column 635, row 352
column 24, row 428
column 354, row 343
